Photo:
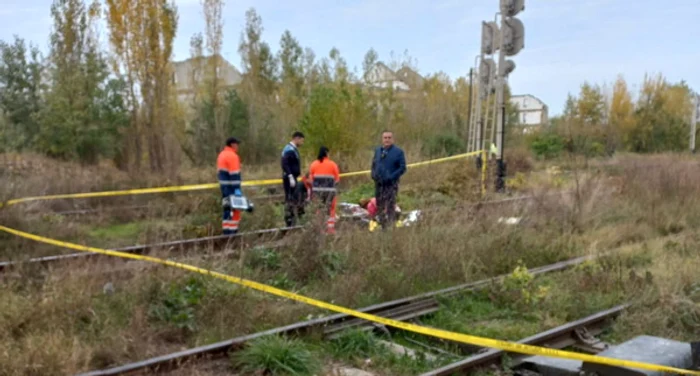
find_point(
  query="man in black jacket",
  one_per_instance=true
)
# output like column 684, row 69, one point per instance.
column 291, row 170
column 388, row 165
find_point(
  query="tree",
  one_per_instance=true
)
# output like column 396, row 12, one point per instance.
column 141, row 33
column 259, row 63
column 208, row 127
column 622, row 122
column 661, row 116
column 368, row 63
column 339, row 118
column 292, row 94
column 291, row 57
column 20, row 93
column 258, row 88
column 75, row 123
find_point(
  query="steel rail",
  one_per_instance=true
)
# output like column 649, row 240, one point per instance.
column 559, row 338
column 331, row 326
column 215, row 241
column 265, row 198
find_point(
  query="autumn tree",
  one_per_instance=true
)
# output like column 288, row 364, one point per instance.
column 661, row 116
column 141, row 33
column 621, row 115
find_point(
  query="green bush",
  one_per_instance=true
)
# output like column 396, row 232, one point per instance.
column 443, row 145
column 547, row 145
column 178, row 306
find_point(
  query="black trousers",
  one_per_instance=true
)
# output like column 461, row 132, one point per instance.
column 386, row 202
column 293, row 202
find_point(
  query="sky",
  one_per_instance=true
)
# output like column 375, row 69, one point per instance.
column 567, row 42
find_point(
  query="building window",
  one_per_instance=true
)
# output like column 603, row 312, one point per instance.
column 524, row 118
column 524, row 102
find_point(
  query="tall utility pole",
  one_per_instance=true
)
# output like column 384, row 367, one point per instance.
column 487, row 67
column 512, row 40
column 469, row 109
column 694, row 122
column 474, row 105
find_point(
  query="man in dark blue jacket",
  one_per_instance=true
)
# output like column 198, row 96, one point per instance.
column 291, row 170
column 388, row 165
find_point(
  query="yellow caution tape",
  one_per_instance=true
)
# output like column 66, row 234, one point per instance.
column 443, row 334
column 197, row 187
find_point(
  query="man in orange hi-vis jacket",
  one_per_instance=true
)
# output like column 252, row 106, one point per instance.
column 228, row 165
column 324, row 175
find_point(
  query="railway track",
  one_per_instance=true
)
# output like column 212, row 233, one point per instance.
column 404, row 309
column 76, row 212
column 217, row 241
column 579, row 334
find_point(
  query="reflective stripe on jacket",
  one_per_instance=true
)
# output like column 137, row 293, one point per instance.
column 228, row 166
column 324, row 175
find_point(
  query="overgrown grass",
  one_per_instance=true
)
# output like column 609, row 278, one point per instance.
column 64, row 322
column 277, row 356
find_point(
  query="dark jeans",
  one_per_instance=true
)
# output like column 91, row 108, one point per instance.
column 386, row 203
column 293, row 202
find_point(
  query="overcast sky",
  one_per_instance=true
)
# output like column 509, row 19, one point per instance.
column 567, row 41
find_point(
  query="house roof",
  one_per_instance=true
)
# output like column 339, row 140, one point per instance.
column 410, row 77
column 528, row 95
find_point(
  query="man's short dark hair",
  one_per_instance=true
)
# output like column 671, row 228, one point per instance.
column 297, row 134
column 232, row 140
column 387, row 131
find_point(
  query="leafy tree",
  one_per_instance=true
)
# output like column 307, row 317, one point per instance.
column 258, row 89
column 78, row 121
column 339, row 118
column 292, row 93
column 661, row 117
column 621, row 116
column 291, row 57
column 208, row 127
column 141, row 34
column 20, row 93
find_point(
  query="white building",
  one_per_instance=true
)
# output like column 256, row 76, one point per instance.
column 381, row 76
column 531, row 110
column 187, row 74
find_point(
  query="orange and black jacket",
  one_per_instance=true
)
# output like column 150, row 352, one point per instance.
column 324, row 175
column 228, row 165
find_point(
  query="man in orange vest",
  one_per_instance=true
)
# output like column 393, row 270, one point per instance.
column 325, row 175
column 228, row 165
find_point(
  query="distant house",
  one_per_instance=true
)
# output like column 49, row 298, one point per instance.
column 411, row 78
column 532, row 112
column 381, row 76
column 187, row 73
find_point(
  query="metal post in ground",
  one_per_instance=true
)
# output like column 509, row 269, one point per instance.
column 469, row 109
column 694, row 123
column 695, row 355
column 500, row 162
